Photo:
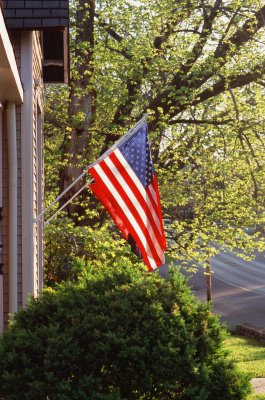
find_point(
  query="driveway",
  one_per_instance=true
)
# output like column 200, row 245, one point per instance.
column 238, row 288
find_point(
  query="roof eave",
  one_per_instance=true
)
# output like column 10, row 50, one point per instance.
column 10, row 84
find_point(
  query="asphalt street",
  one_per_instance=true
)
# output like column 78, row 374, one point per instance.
column 238, row 289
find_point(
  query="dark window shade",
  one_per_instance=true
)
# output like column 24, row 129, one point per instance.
column 53, row 74
column 53, row 45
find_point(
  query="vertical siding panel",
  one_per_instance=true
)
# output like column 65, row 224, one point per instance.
column 37, row 158
column 33, row 272
column 1, row 239
column 15, row 39
column 5, row 221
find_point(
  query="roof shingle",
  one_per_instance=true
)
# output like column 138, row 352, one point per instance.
column 36, row 14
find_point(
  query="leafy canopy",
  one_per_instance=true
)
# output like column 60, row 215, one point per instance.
column 197, row 68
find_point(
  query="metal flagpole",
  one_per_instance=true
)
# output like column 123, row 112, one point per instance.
column 60, row 196
column 122, row 139
column 68, row 201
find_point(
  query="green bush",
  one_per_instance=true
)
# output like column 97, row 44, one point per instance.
column 119, row 334
column 70, row 249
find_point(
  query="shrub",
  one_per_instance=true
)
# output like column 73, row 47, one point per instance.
column 70, row 249
column 119, row 334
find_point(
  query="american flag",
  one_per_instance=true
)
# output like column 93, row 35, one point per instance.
column 125, row 183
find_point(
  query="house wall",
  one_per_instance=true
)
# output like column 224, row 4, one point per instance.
column 1, row 243
column 52, row 18
column 16, row 45
column 27, row 48
column 37, row 159
column 4, row 221
column 32, row 174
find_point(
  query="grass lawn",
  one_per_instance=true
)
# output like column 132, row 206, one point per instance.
column 249, row 356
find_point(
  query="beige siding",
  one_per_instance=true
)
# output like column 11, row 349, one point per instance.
column 5, row 215
column 36, row 164
column 37, row 157
column 1, row 238
column 4, row 220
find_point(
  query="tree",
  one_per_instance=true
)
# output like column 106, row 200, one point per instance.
column 188, row 64
column 217, row 202
column 120, row 334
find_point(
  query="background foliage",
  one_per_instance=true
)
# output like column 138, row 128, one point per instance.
column 198, row 69
column 71, row 250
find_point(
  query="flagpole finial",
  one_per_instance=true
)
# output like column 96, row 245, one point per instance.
column 144, row 118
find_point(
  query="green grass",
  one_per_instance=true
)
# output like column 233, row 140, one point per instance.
column 249, row 355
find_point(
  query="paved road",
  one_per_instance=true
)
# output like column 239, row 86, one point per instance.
column 238, row 289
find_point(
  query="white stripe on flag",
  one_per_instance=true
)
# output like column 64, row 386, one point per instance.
column 117, row 175
column 153, row 193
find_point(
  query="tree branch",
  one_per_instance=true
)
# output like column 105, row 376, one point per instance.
column 109, row 29
column 234, row 101
column 227, row 28
column 181, row 79
column 134, row 85
column 243, row 34
column 121, row 52
column 199, row 122
column 221, row 85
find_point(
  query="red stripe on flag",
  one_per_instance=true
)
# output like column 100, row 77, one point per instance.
column 157, row 208
column 99, row 190
column 159, row 212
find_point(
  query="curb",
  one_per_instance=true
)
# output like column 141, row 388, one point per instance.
column 251, row 331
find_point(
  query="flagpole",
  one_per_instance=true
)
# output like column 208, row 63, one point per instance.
column 68, row 201
column 124, row 137
column 60, row 196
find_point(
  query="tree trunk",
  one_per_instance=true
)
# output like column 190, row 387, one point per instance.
column 209, row 280
column 81, row 109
